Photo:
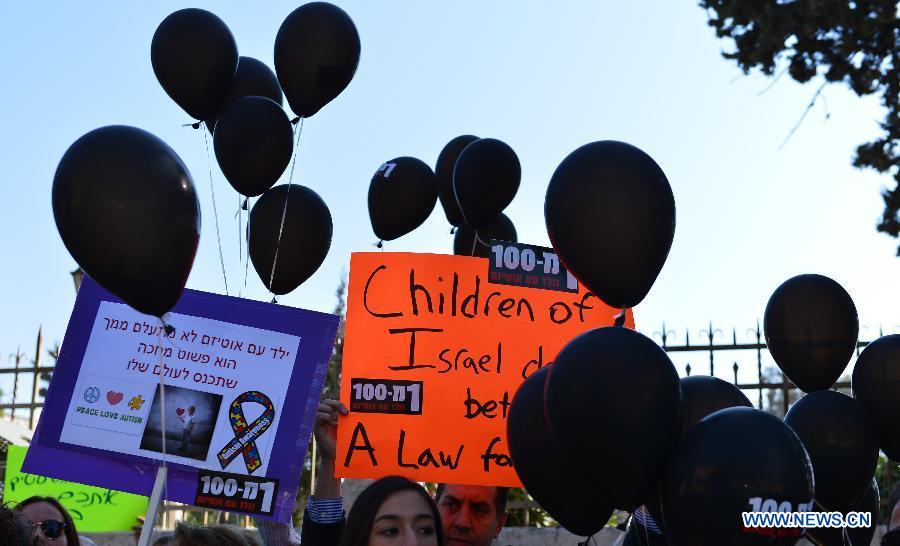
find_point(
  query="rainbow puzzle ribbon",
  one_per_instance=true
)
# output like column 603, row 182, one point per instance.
column 245, row 435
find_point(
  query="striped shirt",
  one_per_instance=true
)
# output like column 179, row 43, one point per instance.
column 644, row 518
column 323, row 511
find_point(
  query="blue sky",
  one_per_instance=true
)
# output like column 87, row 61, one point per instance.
column 545, row 78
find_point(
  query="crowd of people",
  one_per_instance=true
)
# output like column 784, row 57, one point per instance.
column 392, row 511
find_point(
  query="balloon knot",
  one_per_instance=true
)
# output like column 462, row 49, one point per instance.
column 296, row 120
column 274, row 300
column 196, row 125
column 379, row 244
column 244, row 205
column 620, row 318
column 453, row 230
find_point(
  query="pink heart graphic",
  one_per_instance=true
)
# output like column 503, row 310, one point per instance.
column 179, row 411
column 114, row 397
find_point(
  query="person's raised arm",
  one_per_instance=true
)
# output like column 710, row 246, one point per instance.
column 323, row 520
column 325, row 429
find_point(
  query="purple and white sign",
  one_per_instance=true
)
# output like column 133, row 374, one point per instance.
column 233, row 388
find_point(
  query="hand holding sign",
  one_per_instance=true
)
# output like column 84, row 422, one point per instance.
column 325, row 427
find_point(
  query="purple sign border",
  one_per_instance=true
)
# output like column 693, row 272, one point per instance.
column 47, row 456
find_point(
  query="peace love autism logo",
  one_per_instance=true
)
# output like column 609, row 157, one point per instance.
column 245, row 435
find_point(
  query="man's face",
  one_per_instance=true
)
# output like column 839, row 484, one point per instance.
column 190, row 411
column 469, row 515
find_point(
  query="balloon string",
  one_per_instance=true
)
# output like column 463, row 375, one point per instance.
column 477, row 238
column 247, row 256
column 240, row 233
column 284, row 210
column 474, row 242
column 458, row 204
column 162, row 406
column 212, row 192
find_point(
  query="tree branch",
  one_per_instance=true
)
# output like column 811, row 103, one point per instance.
column 809, row 106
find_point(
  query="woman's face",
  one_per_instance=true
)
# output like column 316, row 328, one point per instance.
column 404, row 519
column 41, row 512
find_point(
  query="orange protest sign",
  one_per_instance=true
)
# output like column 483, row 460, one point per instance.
column 433, row 355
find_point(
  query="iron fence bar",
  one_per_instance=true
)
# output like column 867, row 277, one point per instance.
column 39, row 370
column 731, row 347
column 21, row 405
column 36, row 385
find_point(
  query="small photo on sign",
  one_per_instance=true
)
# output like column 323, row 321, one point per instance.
column 190, row 419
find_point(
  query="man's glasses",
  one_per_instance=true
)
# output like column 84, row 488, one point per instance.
column 51, row 528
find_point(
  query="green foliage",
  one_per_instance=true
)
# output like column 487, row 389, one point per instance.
column 852, row 42
column 330, row 390
column 887, row 473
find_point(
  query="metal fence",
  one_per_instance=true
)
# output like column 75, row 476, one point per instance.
column 27, row 374
column 746, row 363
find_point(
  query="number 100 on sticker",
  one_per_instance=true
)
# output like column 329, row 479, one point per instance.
column 386, row 396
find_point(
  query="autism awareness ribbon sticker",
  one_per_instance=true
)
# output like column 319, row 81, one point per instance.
column 245, row 435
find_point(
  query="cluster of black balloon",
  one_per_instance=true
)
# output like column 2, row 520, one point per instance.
column 693, row 451
column 821, row 457
column 124, row 202
column 812, row 327
column 475, row 180
column 240, row 99
column 610, row 215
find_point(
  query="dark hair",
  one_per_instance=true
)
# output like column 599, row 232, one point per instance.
column 212, row 535
column 499, row 500
column 70, row 531
column 14, row 529
column 362, row 515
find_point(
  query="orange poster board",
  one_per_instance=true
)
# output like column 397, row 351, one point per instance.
column 433, row 355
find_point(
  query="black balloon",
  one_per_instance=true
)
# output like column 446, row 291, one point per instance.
column 702, row 396
column 195, row 58
column 252, row 79
column 735, row 460
column 126, row 209
column 485, row 180
column 253, row 144
column 443, row 171
column 811, row 328
column 500, row 228
column 402, row 195
column 316, row 53
column 876, row 385
column 305, row 237
column 552, row 481
column 842, row 446
column 856, row 536
column 610, row 215
column 615, row 375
